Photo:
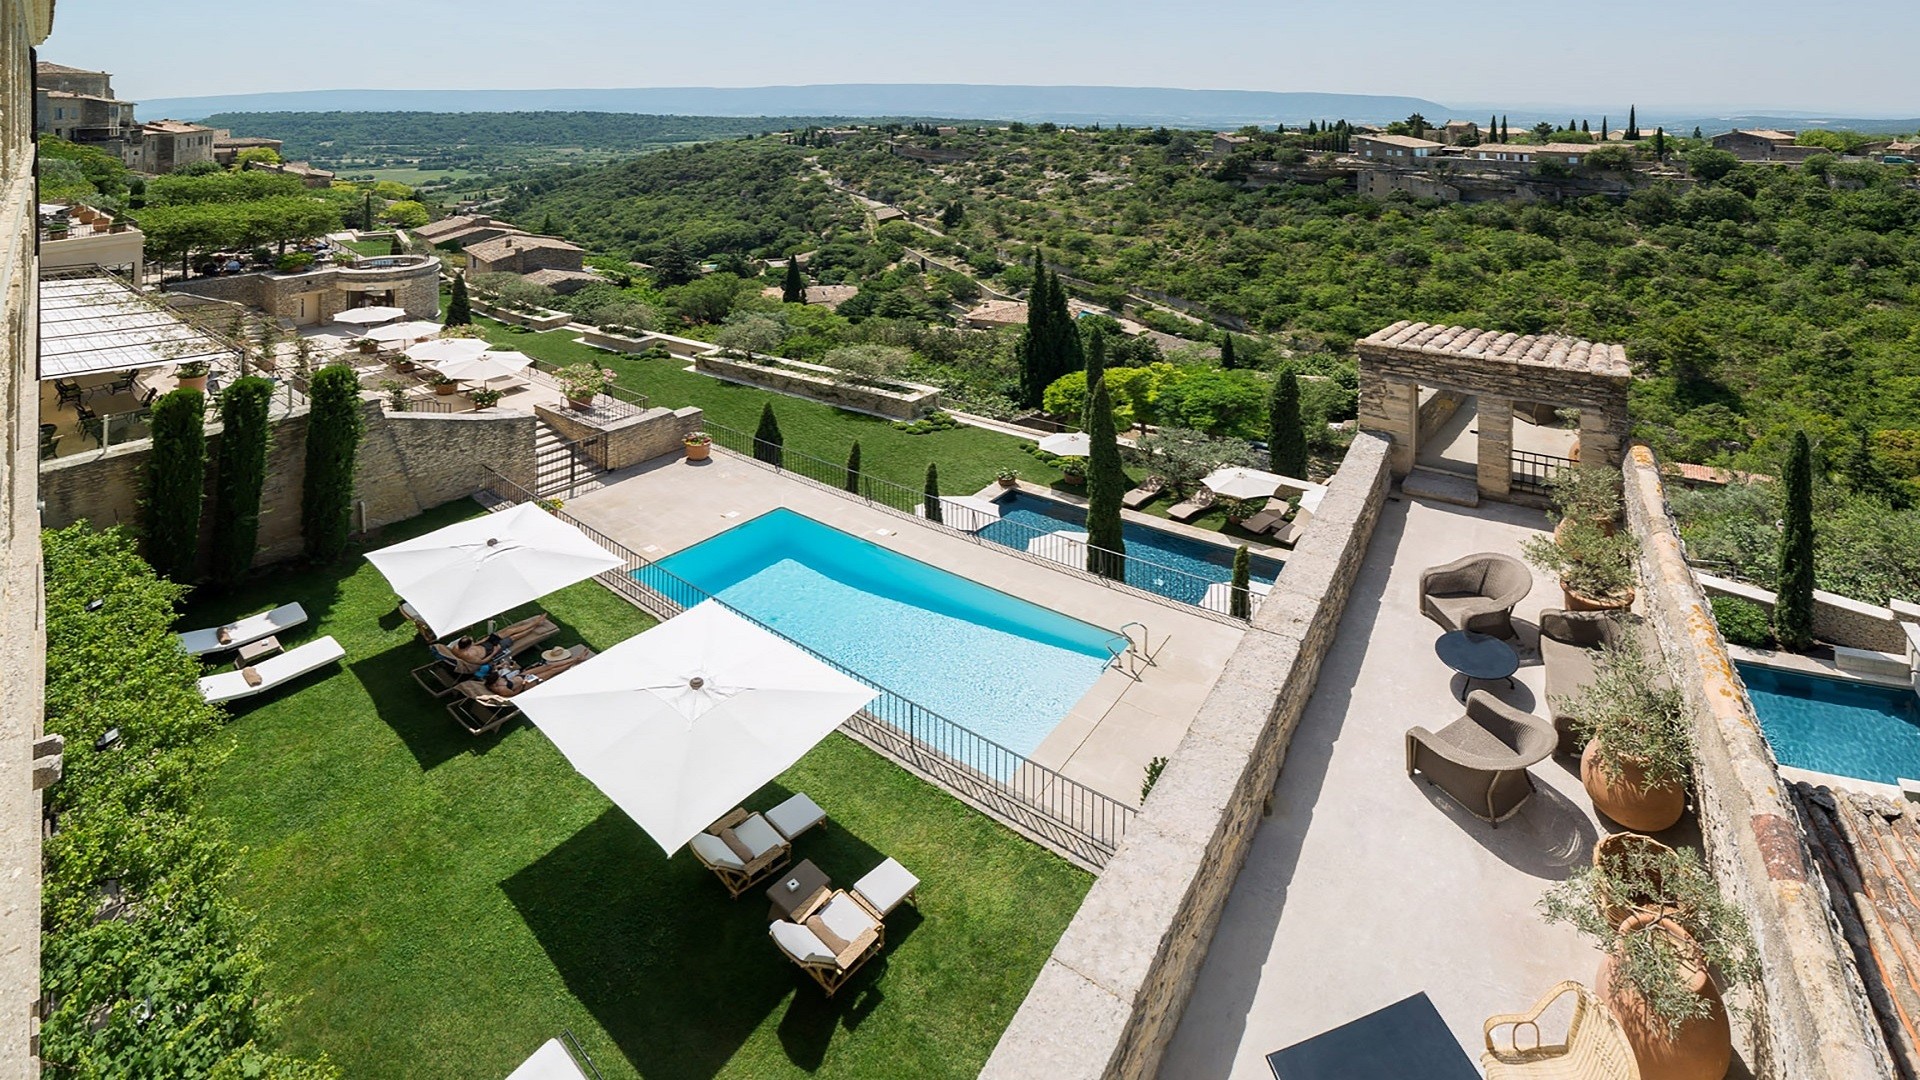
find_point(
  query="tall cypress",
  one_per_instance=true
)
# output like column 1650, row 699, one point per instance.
column 176, row 479
column 1239, row 602
column 768, row 444
column 334, row 427
column 1227, row 361
column 1633, row 122
column 930, row 493
column 1493, row 127
column 1106, row 476
column 1287, row 437
column 793, row 290
column 1032, row 349
column 459, row 307
column 1793, row 610
column 243, row 472
column 1068, row 356
column 1603, row 129
column 1660, row 144
column 853, row 468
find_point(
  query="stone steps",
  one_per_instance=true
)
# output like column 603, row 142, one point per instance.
column 1441, row 487
column 560, row 468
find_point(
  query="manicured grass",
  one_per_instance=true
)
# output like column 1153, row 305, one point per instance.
column 436, row 905
column 371, row 247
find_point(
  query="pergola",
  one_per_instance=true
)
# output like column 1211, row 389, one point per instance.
column 1500, row 369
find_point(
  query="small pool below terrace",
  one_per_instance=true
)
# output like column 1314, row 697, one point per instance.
column 1837, row 726
column 1006, row 668
column 1158, row 561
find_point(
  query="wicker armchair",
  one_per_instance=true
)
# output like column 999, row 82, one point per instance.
column 1477, row 593
column 1481, row 759
column 1595, row 1048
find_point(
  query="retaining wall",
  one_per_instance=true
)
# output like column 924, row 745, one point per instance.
column 814, row 381
column 1110, row 996
column 542, row 319
column 630, row 440
column 1837, row 620
column 1810, row 1018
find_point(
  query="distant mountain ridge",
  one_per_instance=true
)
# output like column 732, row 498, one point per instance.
column 1062, row 104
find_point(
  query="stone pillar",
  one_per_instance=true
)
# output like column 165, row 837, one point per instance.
column 1391, row 409
column 1603, row 433
column 1496, row 447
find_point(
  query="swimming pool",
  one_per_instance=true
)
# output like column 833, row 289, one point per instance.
column 1004, row 667
column 1028, row 521
column 1836, row 725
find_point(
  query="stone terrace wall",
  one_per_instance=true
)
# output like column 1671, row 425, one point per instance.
column 627, row 441
column 1811, row 1019
column 1110, row 996
column 1837, row 619
column 409, row 462
column 805, row 380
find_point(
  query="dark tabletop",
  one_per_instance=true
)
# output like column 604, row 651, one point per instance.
column 1477, row 656
column 1407, row 1040
column 787, row 901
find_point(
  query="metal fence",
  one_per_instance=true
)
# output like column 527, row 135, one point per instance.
column 1073, row 819
column 615, row 402
column 1535, row 473
column 1047, row 547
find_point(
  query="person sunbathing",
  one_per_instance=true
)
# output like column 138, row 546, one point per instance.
column 507, row 681
column 501, row 644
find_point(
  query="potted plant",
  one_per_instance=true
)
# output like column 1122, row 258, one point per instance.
column 396, row 392
column 1073, row 470
column 582, row 382
column 1590, row 494
column 441, row 384
column 1595, row 568
column 192, row 375
column 58, row 229
column 485, row 398
column 1638, row 748
column 1658, row 974
column 1008, row 478
column 1238, row 510
column 368, row 346
column 698, row 443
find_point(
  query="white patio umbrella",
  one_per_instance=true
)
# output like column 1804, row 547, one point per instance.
column 1310, row 498
column 411, row 330
column 435, row 352
column 1240, row 482
column 680, row 724
column 481, row 366
column 369, row 316
column 1068, row 444
column 475, row 569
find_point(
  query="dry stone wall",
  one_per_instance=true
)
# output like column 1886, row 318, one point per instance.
column 627, row 441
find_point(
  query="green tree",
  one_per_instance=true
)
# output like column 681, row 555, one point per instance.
column 952, row 214
column 1793, row 610
column 176, row 480
column 459, row 307
column 1659, row 144
column 853, row 468
column 1286, row 438
column 1106, row 476
column 672, row 265
column 406, row 213
column 334, row 427
column 930, row 494
column 1696, row 131
column 265, row 155
column 1603, row 129
column 794, row 289
column 243, row 472
column 1240, row 600
column 768, row 444
column 1227, row 361
column 366, row 213
column 1707, row 164
column 1633, row 124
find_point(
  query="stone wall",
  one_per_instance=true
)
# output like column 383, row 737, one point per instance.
column 409, row 462
column 1837, row 620
column 415, row 288
column 1111, row 995
column 1810, row 1018
column 814, row 381
column 627, row 441
column 541, row 319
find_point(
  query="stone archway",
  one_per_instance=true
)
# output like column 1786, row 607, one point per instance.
column 1500, row 369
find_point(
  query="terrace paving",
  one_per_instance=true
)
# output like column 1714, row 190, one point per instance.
column 1105, row 741
column 1364, row 886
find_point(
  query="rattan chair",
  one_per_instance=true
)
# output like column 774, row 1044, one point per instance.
column 1481, row 758
column 832, row 937
column 1595, row 1048
column 1477, row 593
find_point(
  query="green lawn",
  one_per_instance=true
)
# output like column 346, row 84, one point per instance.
column 371, row 247
column 435, row 905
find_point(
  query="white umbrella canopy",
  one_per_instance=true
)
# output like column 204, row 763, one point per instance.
column 1240, row 482
column 680, row 724
column 368, row 316
column 435, row 352
column 482, row 366
column 1068, row 444
column 1310, row 498
column 411, row 330
column 475, row 569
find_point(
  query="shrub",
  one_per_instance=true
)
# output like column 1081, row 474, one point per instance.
column 768, row 444
column 243, row 471
column 292, row 261
column 176, row 479
column 459, row 306
column 930, row 493
column 334, row 426
column 1742, row 622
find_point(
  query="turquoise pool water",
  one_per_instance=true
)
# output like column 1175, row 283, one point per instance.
column 1837, row 726
column 1004, row 667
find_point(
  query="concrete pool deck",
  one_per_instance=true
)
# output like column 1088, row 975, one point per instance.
column 1105, row 741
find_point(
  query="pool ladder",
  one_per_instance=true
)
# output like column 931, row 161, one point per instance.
column 1138, row 655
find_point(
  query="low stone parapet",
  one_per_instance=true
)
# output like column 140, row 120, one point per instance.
column 801, row 379
column 1837, row 620
column 537, row 319
column 617, row 441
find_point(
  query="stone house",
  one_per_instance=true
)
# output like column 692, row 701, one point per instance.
column 1393, row 149
column 227, row 145
column 167, row 145
column 302, row 170
column 463, row 230
column 522, row 253
column 1458, row 132
column 1764, row 145
column 1523, row 155
column 316, row 295
column 79, row 106
column 1225, row 143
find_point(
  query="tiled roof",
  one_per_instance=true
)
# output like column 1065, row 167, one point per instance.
column 1402, row 140
column 69, row 95
column 502, row 246
column 550, row 278
column 1766, row 133
column 433, row 230
column 1533, row 148
column 46, row 67
column 1536, row 350
column 173, row 127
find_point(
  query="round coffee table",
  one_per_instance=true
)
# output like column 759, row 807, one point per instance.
column 1477, row 656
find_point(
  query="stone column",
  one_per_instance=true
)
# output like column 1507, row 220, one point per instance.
column 1391, row 409
column 1495, row 424
column 1602, row 434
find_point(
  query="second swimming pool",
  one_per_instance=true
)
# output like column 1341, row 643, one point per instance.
column 1836, row 725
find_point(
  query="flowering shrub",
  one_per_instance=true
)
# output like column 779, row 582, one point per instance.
column 583, row 381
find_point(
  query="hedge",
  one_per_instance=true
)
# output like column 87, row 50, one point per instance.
column 333, row 442
column 145, row 958
column 176, row 481
column 243, row 472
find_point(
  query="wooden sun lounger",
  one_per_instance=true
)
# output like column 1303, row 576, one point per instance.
column 1142, row 495
column 1193, row 507
column 446, row 672
column 1265, row 519
column 1289, row 534
column 479, row 711
column 271, row 672
column 242, row 631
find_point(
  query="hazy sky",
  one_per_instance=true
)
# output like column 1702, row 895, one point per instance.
column 1850, row 56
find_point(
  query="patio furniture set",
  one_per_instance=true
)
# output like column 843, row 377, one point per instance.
column 92, row 415
column 1289, row 510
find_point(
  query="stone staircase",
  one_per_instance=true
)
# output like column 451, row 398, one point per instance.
column 1439, row 486
column 560, row 467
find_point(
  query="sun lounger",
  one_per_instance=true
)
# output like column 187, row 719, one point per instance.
column 479, row 710
column 243, row 631
column 795, row 816
column 831, row 940
column 556, row 1060
column 1194, row 506
column 1266, row 519
column 741, row 849
column 271, row 672
column 1219, row 596
column 1144, row 494
column 448, row 671
column 885, row 886
column 1289, row 534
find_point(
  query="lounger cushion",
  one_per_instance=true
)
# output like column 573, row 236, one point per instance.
column 886, row 885
column 758, row 836
column 844, row 916
column 800, row 943
column 796, row 815
column 714, row 851
column 252, row 675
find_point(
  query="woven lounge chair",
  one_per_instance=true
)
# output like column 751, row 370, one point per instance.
column 245, row 631
column 447, row 671
column 1477, row 593
column 741, row 849
column 1195, row 505
column 1275, row 513
column 1595, row 1048
column 1481, row 759
column 271, row 672
column 1148, row 491
column 832, row 938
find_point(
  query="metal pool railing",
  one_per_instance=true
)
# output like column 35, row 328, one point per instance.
column 1078, row 822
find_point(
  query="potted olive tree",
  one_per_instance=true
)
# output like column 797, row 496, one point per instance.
column 1590, row 495
column 441, row 384
column 1667, row 961
column 192, row 375
column 484, row 397
column 1639, row 750
column 1595, row 566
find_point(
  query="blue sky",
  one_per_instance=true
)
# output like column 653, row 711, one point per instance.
column 1852, row 56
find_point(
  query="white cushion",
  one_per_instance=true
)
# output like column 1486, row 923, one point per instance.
column 846, row 918
column 714, row 851
column 759, row 836
column 796, row 816
column 886, row 885
column 800, row 943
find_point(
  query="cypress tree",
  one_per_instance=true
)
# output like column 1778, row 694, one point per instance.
column 1603, row 129
column 853, row 468
column 243, row 472
column 1032, row 349
column 1106, row 476
column 1793, row 610
column 176, row 478
column 397, row 247
column 1068, row 356
column 1633, row 123
column 366, row 214
column 1696, row 131
column 768, row 444
column 793, row 290
column 1227, row 361
column 334, row 427
column 1287, row 439
column 1240, row 603
column 459, row 307
column 930, row 495
column 1584, row 129
column 1493, row 127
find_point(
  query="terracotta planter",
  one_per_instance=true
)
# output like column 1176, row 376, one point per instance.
column 369, row 347
column 445, row 389
column 193, row 382
column 1009, row 483
column 1621, row 797
column 1609, row 855
column 1702, row 1049
column 698, row 451
column 580, row 404
column 1073, row 479
column 1576, row 602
